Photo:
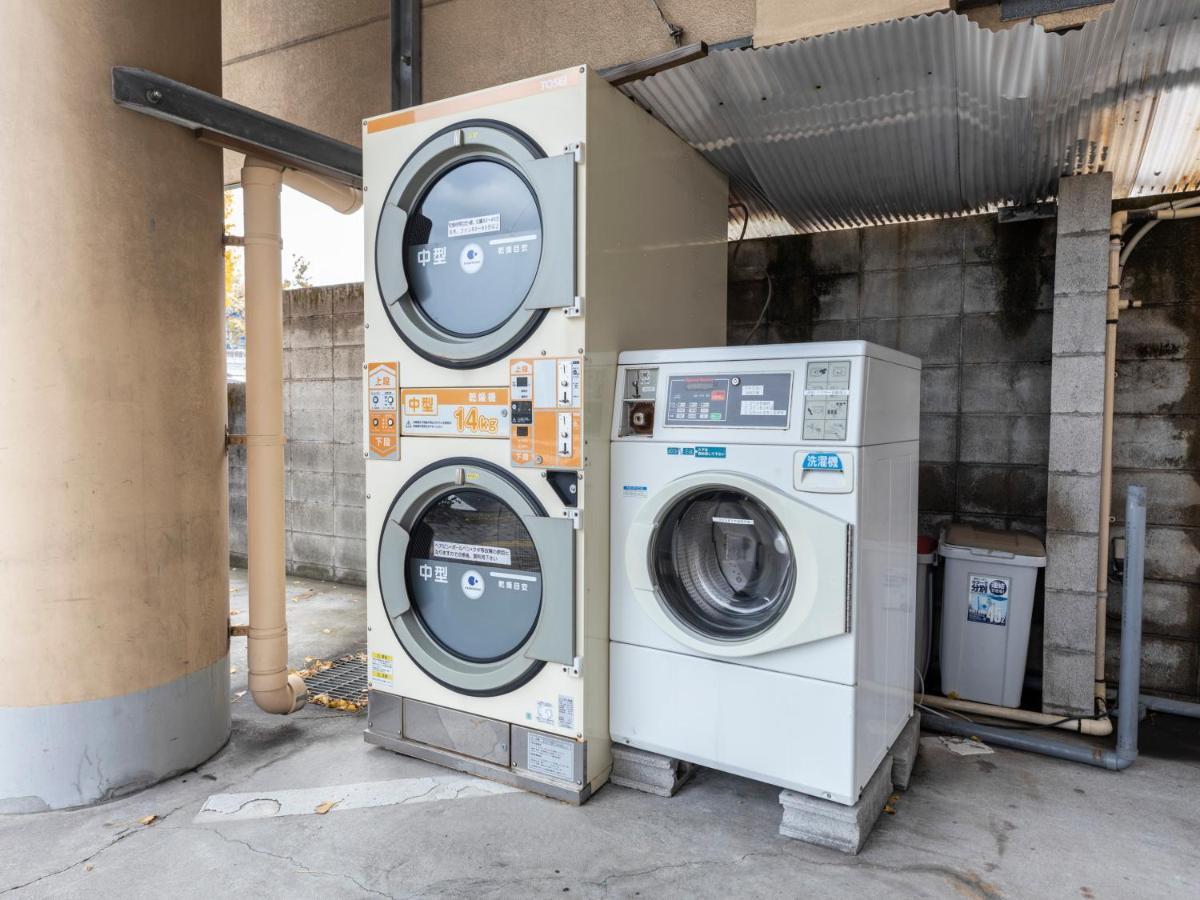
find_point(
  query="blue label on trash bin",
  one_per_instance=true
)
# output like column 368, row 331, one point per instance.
column 987, row 600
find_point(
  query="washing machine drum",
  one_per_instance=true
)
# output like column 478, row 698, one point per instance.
column 476, row 580
column 723, row 564
column 475, row 241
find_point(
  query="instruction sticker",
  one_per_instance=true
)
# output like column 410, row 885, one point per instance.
column 545, row 712
column 553, row 757
column 566, row 711
column 473, row 225
column 477, row 553
column 381, row 668
column 987, row 599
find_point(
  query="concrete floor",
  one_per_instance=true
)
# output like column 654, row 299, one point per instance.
column 1002, row 825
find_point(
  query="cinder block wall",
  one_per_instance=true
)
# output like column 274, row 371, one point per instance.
column 323, row 358
column 1156, row 443
column 972, row 299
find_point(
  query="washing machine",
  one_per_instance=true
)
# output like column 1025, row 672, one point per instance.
column 764, row 512
column 517, row 238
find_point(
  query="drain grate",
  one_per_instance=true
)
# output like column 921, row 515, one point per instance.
column 342, row 679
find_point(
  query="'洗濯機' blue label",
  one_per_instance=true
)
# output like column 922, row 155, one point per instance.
column 822, row 461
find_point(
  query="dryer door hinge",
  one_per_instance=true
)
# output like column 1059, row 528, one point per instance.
column 575, row 670
column 574, row 515
column 575, row 310
column 576, row 150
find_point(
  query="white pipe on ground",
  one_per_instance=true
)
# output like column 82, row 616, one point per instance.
column 273, row 689
column 1099, row 727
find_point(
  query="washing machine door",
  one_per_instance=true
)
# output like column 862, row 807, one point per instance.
column 477, row 581
column 475, row 241
column 730, row 566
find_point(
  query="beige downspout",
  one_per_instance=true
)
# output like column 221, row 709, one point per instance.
column 273, row 688
column 1112, row 305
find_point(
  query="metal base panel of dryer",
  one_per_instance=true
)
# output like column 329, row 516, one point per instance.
column 510, row 754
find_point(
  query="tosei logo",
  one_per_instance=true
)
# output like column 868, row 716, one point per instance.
column 549, row 84
column 472, row 584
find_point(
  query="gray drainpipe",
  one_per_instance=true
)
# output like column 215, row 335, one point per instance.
column 1130, row 678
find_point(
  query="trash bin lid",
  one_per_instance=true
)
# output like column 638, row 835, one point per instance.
column 962, row 540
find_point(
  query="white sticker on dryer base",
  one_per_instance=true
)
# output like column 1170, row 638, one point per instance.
column 566, row 711
column 550, row 756
column 545, row 712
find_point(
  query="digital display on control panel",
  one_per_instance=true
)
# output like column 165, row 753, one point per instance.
column 826, row 400
column 759, row 400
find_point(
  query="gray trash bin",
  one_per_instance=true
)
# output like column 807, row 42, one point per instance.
column 987, row 604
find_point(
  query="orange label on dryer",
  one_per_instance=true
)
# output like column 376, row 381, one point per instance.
column 547, row 412
column 455, row 412
column 383, row 419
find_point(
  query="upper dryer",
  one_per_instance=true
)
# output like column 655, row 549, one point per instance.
column 500, row 222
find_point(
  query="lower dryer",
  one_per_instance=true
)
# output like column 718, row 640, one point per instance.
column 763, row 559
column 476, row 624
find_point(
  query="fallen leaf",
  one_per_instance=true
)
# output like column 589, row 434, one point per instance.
column 88, row 867
column 325, row 807
column 233, row 670
column 234, row 612
column 148, row 820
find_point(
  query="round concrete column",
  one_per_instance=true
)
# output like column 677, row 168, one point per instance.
column 114, row 583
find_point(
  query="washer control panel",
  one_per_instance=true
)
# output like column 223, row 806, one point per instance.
column 826, row 400
column 546, row 406
column 754, row 400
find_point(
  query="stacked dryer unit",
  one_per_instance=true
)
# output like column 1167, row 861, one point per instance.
column 763, row 538
column 517, row 238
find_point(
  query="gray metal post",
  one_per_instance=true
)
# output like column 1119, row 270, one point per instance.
column 1130, row 676
column 1131, row 665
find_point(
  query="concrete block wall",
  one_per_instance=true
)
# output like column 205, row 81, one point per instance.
column 323, row 359
column 1076, row 437
column 1156, row 443
column 973, row 299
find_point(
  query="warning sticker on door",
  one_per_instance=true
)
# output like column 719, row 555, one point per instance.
column 545, row 712
column 553, row 757
column 381, row 668
column 479, row 553
column 473, row 225
column 987, row 599
column 566, row 711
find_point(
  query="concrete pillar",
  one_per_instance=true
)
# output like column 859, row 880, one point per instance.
column 113, row 539
column 1076, row 429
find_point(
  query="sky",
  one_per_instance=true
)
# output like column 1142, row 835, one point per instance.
column 331, row 242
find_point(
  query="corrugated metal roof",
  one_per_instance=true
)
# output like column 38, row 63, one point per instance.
column 936, row 116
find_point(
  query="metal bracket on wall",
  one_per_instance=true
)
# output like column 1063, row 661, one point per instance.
column 227, row 124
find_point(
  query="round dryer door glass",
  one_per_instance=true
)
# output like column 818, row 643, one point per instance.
column 472, row 247
column 723, row 564
column 474, row 577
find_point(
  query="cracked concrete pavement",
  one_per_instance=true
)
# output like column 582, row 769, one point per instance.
column 1002, row 825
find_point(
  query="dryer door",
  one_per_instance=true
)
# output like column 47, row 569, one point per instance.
column 733, row 567
column 477, row 581
column 475, row 241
